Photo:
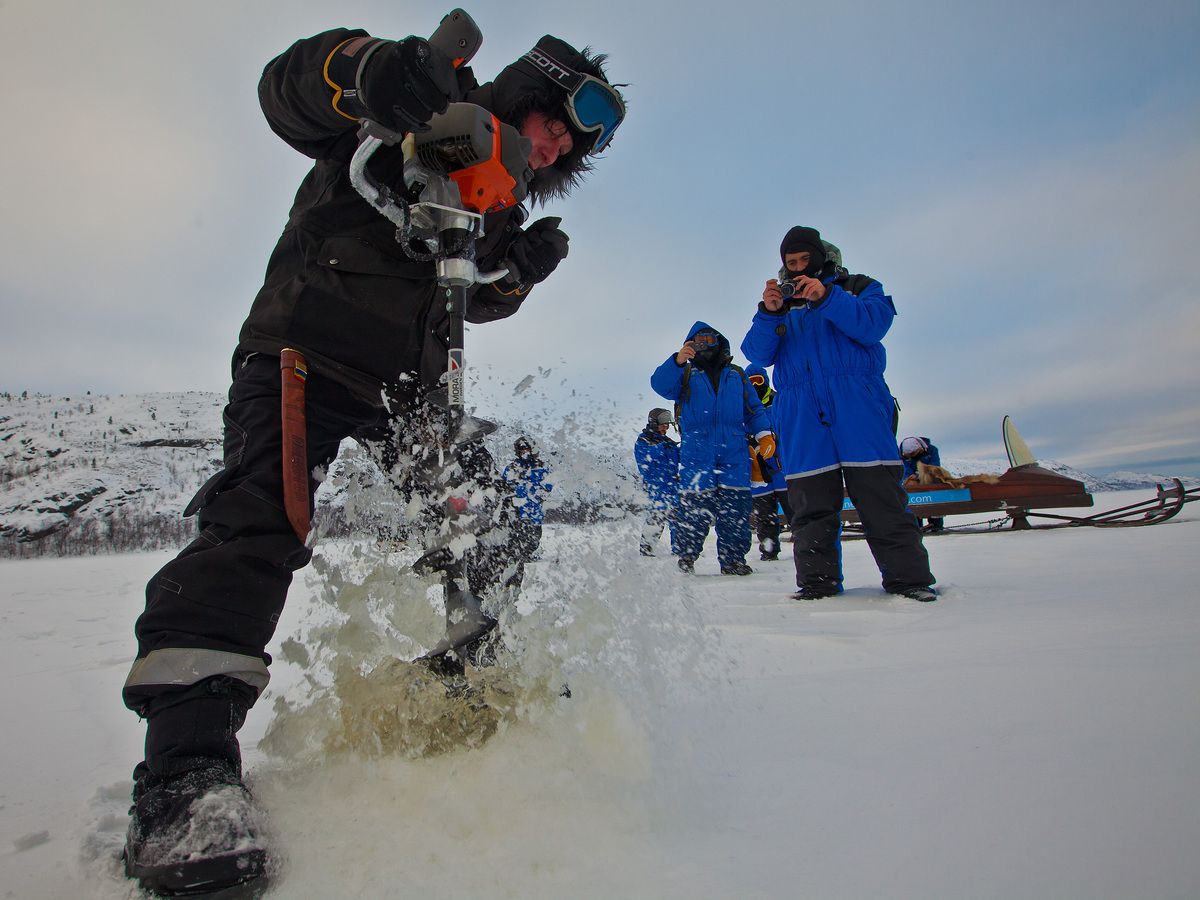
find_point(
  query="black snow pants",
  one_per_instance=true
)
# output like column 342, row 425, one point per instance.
column 892, row 531
column 766, row 520
column 210, row 612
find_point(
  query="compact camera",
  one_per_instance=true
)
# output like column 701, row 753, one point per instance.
column 787, row 288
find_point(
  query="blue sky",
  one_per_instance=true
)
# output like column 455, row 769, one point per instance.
column 1024, row 179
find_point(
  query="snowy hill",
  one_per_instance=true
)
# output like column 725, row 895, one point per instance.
column 86, row 472
column 83, row 472
column 83, row 459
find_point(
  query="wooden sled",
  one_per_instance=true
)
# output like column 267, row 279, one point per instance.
column 1019, row 493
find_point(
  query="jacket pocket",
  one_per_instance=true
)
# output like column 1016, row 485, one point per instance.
column 348, row 254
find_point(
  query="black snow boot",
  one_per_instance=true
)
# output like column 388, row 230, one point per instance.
column 816, row 592
column 923, row 594
column 737, row 568
column 195, row 832
column 194, row 826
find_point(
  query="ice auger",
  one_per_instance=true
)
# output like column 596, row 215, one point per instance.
column 467, row 163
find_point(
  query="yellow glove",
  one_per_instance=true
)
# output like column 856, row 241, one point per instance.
column 766, row 446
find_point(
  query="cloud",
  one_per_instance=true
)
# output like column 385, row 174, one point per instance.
column 1028, row 195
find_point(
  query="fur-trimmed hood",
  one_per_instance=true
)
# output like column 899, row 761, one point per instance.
column 520, row 88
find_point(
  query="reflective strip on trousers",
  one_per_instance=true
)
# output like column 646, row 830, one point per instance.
column 184, row 666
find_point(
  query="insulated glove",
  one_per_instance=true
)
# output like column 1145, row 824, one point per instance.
column 403, row 84
column 537, row 251
column 766, row 446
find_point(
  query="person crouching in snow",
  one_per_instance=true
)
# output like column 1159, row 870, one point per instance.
column 836, row 412
column 717, row 409
column 657, row 459
column 914, row 451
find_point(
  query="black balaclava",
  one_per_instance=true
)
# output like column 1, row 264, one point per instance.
column 521, row 88
column 713, row 360
column 799, row 240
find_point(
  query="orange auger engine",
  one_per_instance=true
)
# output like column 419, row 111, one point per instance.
column 486, row 158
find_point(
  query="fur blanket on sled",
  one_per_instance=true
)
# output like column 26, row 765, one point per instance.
column 938, row 475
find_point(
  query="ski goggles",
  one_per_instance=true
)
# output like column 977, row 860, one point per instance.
column 757, row 380
column 704, row 340
column 592, row 104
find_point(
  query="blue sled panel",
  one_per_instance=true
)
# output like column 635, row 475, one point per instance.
column 921, row 498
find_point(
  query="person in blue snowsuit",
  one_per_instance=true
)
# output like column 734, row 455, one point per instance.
column 835, row 412
column 527, row 476
column 718, row 408
column 915, row 450
column 767, row 484
column 657, row 459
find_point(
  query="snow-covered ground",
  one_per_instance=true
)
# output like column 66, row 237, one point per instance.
column 1034, row 733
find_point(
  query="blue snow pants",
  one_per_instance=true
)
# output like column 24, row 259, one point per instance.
column 726, row 508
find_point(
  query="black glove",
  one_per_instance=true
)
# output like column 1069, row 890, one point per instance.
column 537, row 251
column 403, row 84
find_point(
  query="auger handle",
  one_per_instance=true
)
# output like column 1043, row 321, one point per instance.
column 458, row 37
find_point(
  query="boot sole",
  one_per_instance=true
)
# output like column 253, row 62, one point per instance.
column 241, row 877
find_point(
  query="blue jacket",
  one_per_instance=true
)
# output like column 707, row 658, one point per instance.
column 531, row 487
column 832, row 404
column 658, row 462
column 714, row 423
column 930, row 457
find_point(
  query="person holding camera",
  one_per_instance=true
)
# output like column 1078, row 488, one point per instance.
column 821, row 329
column 718, row 408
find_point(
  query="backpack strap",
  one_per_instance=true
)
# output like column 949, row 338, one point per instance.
column 684, row 390
column 853, row 284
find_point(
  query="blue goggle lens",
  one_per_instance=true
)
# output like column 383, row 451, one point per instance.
column 596, row 106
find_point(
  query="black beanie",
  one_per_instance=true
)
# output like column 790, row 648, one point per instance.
column 523, row 86
column 799, row 240
column 524, row 77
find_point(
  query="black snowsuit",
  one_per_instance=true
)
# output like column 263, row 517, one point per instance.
column 766, row 519
column 339, row 289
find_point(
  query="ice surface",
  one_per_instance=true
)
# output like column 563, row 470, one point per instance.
column 1033, row 733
